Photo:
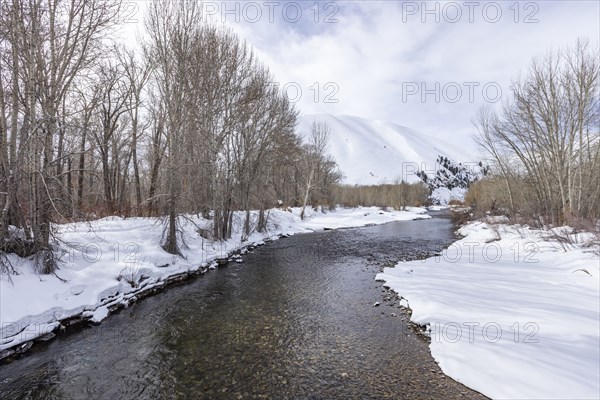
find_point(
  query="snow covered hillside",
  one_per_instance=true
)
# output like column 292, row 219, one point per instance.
column 511, row 314
column 371, row 152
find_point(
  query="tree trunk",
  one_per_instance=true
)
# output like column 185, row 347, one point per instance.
column 80, row 173
column 307, row 193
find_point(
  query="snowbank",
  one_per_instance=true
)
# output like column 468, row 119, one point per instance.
column 511, row 314
column 109, row 262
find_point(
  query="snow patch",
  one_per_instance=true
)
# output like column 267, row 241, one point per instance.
column 99, row 314
column 508, row 315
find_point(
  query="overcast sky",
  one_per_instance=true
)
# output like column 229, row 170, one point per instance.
column 425, row 65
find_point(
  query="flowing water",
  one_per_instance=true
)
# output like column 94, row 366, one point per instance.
column 296, row 320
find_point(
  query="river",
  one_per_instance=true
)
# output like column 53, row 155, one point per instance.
column 296, row 320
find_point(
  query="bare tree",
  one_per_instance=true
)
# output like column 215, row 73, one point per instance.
column 550, row 131
column 156, row 149
column 87, row 102
column 52, row 42
column 138, row 73
column 172, row 26
column 114, row 89
column 319, row 169
column 192, row 126
column 266, row 118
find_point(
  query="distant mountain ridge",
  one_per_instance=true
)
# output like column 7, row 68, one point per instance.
column 370, row 152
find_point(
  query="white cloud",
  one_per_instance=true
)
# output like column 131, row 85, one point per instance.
column 377, row 48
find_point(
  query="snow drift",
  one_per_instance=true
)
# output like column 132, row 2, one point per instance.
column 511, row 314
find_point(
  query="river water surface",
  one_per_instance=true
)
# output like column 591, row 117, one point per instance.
column 296, row 320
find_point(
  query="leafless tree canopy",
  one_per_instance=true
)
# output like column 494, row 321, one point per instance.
column 321, row 170
column 545, row 142
column 191, row 123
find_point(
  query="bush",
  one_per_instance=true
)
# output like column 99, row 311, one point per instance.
column 398, row 195
column 455, row 202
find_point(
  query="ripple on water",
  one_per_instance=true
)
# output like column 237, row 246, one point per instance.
column 294, row 321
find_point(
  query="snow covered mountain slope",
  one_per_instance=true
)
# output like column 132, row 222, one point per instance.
column 371, row 152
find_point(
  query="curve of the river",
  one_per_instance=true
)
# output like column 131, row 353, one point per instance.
column 296, row 320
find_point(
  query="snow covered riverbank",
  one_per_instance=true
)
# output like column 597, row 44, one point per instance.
column 511, row 313
column 111, row 262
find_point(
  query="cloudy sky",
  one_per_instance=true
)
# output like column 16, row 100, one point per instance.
column 425, row 65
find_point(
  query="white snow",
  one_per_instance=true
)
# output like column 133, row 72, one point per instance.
column 443, row 196
column 371, row 152
column 108, row 261
column 511, row 314
column 99, row 314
